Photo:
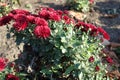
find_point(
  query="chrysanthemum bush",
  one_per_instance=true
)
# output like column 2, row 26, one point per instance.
column 81, row 5
column 64, row 48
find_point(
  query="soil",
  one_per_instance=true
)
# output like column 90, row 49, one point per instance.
column 106, row 14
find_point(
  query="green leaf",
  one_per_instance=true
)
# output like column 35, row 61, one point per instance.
column 63, row 39
column 68, row 70
column 22, row 74
column 46, row 71
column 63, row 49
column 80, row 75
column 56, row 67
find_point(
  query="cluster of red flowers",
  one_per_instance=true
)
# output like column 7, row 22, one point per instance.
column 42, row 30
column 22, row 18
column 92, row 59
column 3, row 64
column 94, row 30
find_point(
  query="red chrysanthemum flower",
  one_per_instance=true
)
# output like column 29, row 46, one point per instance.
column 5, row 19
column 66, row 12
column 12, row 64
column 104, row 33
column 79, row 24
column 60, row 12
column 2, row 64
column 47, row 8
column 51, row 9
column 65, row 18
column 44, row 14
column 6, row 60
column 94, row 31
column 31, row 18
column 11, row 77
column 42, row 31
column 20, row 11
column 41, row 21
column 43, row 8
column 84, row 27
column 91, row 59
column 91, row 26
column 21, row 22
column 55, row 17
column 68, row 20
column 97, row 68
column 91, row 1
column 109, row 59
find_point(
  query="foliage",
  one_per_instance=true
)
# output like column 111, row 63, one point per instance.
column 7, row 5
column 10, row 71
column 81, row 5
column 64, row 48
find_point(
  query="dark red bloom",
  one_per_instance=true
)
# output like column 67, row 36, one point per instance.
column 31, row 18
column 11, row 77
column 90, row 26
column 48, row 9
column 41, row 21
column 43, row 8
column 42, row 31
column 94, row 31
column 83, row 26
column 91, row 1
column 60, row 12
column 21, row 22
column 12, row 64
column 104, row 33
column 68, row 20
column 91, row 59
column 55, row 17
column 97, row 68
column 6, row 60
column 2, row 64
column 20, row 11
column 5, row 19
column 66, row 12
column 80, row 23
column 44, row 14
column 51, row 9
column 109, row 59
